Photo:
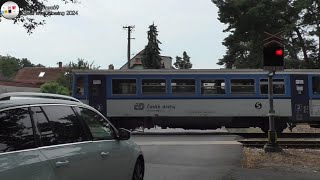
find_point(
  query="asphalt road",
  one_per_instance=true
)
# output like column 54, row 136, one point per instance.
column 203, row 157
column 189, row 157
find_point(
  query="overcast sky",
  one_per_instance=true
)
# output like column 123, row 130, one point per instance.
column 96, row 34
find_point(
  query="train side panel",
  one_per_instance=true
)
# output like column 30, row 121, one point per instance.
column 196, row 107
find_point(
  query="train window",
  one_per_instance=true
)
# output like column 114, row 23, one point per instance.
column 242, row 86
column 153, row 86
column 124, row 86
column 213, row 87
column 278, row 86
column 80, row 86
column 183, row 86
column 316, row 85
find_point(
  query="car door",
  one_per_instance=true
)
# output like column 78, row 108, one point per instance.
column 19, row 156
column 64, row 143
column 115, row 162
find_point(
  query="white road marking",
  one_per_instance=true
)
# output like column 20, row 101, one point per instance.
column 188, row 143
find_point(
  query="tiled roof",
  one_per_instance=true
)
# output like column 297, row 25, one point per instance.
column 38, row 75
column 136, row 60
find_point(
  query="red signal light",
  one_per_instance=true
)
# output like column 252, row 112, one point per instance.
column 279, row 52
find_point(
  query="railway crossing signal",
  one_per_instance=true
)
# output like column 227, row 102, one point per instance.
column 273, row 55
column 273, row 52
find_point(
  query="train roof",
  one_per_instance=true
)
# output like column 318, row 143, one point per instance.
column 194, row 71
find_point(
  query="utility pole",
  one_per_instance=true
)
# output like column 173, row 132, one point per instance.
column 129, row 28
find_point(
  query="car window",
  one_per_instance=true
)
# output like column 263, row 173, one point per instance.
column 16, row 132
column 99, row 127
column 44, row 127
column 58, row 125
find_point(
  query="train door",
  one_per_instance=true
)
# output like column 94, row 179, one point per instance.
column 300, row 97
column 97, row 93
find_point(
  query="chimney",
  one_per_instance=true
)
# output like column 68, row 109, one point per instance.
column 60, row 64
column 111, row 67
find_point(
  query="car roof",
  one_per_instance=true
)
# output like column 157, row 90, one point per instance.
column 33, row 101
column 29, row 95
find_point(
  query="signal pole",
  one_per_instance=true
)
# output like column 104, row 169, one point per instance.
column 129, row 28
column 271, row 64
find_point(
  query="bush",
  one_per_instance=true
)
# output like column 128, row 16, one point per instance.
column 54, row 88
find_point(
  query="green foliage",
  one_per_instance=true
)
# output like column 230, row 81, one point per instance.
column 24, row 62
column 54, row 88
column 151, row 58
column 66, row 79
column 247, row 21
column 9, row 65
column 32, row 6
column 82, row 65
column 183, row 62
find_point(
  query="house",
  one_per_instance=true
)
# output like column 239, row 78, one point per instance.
column 29, row 79
column 38, row 75
column 135, row 62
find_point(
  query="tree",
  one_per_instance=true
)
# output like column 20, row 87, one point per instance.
column 151, row 58
column 184, row 62
column 31, row 7
column 24, row 62
column 54, row 88
column 9, row 66
column 247, row 20
column 66, row 78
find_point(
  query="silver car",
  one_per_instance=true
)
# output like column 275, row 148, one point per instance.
column 60, row 139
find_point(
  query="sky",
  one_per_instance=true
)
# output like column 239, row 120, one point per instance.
column 97, row 34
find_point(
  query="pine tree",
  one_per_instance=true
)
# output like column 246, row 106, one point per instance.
column 184, row 62
column 247, row 20
column 151, row 58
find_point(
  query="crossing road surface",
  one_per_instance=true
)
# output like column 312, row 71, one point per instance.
column 203, row 157
column 189, row 157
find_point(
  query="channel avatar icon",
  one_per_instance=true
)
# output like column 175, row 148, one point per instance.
column 10, row 10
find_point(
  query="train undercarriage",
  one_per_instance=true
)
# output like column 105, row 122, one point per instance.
column 205, row 123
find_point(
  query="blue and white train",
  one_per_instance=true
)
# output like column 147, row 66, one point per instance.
column 200, row 99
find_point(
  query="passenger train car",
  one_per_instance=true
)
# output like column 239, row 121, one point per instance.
column 200, row 99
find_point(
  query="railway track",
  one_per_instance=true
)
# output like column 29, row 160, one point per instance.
column 305, row 143
column 242, row 135
column 285, row 140
column 256, row 140
column 282, row 135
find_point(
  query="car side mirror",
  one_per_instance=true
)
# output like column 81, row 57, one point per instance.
column 123, row 134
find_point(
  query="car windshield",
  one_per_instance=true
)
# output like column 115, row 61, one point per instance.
column 210, row 89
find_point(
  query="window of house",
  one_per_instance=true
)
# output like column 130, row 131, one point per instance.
column 316, row 85
column 213, row 87
column 153, row 86
column 124, row 86
column 80, row 86
column 16, row 132
column 41, row 74
column 183, row 86
column 278, row 86
column 242, row 86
